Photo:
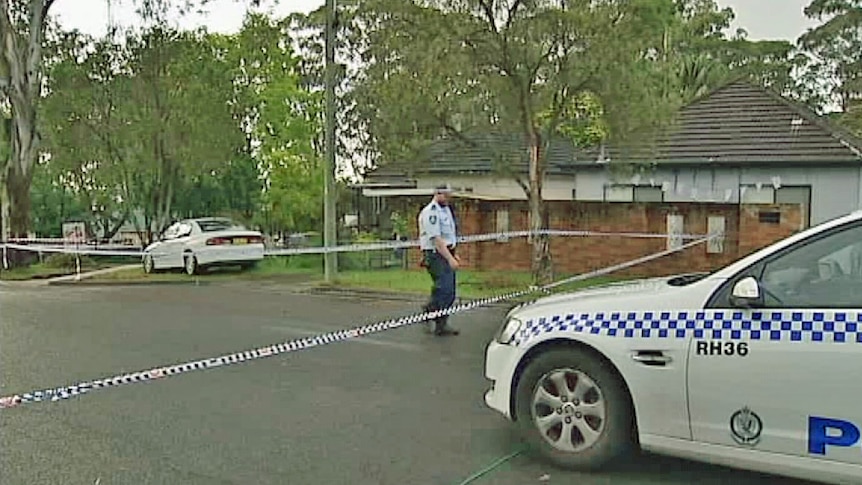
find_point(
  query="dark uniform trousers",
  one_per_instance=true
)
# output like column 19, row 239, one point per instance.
column 443, row 291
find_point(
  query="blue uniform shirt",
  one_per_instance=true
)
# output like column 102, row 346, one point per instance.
column 436, row 220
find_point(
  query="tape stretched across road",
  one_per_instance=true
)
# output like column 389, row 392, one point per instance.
column 376, row 246
column 67, row 392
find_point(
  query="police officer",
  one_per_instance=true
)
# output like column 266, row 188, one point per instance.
column 437, row 238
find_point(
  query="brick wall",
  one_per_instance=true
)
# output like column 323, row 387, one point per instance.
column 747, row 229
column 744, row 231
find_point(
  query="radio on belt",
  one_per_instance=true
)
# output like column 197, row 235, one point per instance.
column 824, row 432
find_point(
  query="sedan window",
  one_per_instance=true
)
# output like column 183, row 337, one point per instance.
column 171, row 232
column 184, row 230
column 212, row 225
column 825, row 273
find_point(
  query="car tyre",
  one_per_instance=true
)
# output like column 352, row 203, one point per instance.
column 191, row 265
column 593, row 389
column 149, row 264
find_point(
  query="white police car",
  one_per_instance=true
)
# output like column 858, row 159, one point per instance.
column 755, row 366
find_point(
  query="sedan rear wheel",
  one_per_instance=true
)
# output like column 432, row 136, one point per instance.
column 574, row 410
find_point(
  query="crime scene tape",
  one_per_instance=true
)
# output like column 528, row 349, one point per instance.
column 375, row 246
column 67, row 392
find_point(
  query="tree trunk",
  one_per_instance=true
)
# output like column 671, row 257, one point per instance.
column 111, row 230
column 17, row 193
column 21, row 84
column 540, row 261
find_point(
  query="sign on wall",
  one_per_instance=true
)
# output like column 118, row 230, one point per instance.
column 675, row 223
column 715, row 227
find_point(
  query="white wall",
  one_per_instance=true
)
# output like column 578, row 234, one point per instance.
column 553, row 188
column 835, row 191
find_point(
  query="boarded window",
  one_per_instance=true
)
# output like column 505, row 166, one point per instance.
column 715, row 230
column 796, row 195
column 753, row 195
column 502, row 216
column 675, row 223
column 648, row 194
column 619, row 193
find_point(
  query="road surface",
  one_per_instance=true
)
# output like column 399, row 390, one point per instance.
column 397, row 408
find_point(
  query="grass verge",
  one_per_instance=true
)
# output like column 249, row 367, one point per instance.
column 471, row 284
column 268, row 269
column 41, row 271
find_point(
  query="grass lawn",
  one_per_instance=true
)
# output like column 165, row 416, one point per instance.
column 268, row 269
column 471, row 284
column 47, row 270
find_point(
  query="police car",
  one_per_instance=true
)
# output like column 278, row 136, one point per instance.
column 755, row 366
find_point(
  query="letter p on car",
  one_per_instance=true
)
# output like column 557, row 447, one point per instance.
column 824, row 432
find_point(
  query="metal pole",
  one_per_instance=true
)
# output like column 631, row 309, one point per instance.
column 330, row 261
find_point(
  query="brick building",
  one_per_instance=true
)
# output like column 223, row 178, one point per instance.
column 742, row 159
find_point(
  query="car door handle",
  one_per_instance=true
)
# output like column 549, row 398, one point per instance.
column 652, row 358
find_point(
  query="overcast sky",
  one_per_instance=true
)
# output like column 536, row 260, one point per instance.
column 763, row 19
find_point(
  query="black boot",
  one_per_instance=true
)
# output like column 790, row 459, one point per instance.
column 428, row 324
column 442, row 328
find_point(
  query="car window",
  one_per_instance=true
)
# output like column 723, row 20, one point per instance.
column 211, row 225
column 825, row 273
column 184, row 229
column 171, row 232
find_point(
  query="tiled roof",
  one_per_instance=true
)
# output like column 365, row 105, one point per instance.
column 484, row 152
column 739, row 123
column 745, row 124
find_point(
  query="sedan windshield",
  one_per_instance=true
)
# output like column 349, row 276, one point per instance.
column 212, row 225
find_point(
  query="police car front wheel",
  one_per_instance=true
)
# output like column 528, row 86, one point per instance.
column 573, row 410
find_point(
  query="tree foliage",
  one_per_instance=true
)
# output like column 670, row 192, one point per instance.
column 174, row 124
column 171, row 123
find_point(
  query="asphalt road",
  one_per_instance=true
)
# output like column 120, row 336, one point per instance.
column 396, row 408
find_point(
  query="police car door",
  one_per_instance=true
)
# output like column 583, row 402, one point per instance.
column 777, row 371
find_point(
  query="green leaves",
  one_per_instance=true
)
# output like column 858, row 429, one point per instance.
column 184, row 124
column 836, row 48
column 282, row 122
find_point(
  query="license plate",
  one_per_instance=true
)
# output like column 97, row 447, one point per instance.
column 241, row 240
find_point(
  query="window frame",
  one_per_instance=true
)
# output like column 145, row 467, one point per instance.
column 775, row 193
column 632, row 193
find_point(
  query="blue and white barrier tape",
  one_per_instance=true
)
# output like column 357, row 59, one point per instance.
column 375, row 246
column 67, row 392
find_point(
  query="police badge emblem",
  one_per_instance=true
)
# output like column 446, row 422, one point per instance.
column 746, row 427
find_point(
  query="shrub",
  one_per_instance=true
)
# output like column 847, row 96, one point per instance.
column 65, row 261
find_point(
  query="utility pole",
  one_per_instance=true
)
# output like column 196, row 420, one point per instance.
column 330, row 260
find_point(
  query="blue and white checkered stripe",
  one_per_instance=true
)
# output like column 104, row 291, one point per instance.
column 765, row 326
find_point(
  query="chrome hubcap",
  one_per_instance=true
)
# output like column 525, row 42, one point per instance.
column 568, row 410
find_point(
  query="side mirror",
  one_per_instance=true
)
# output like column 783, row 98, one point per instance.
column 746, row 293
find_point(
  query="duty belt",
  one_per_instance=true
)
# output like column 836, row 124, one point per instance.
column 433, row 251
